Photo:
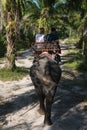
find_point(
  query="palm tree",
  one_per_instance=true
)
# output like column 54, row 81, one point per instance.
column 79, row 24
column 13, row 15
column 40, row 12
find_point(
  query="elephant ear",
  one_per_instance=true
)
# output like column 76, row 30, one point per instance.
column 54, row 71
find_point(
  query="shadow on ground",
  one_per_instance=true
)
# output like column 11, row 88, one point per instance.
column 69, row 110
column 17, row 103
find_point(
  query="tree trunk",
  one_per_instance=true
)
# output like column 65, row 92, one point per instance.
column 11, row 39
column 80, row 43
column 85, row 46
column 10, row 57
column 1, row 16
column 11, row 33
column 85, row 38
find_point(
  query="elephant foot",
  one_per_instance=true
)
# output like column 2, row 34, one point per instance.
column 48, row 122
column 42, row 112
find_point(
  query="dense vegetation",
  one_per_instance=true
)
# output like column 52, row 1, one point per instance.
column 20, row 20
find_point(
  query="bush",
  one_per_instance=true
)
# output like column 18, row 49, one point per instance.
column 25, row 40
column 78, row 62
column 72, row 40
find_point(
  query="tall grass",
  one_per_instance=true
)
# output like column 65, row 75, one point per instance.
column 77, row 62
column 19, row 73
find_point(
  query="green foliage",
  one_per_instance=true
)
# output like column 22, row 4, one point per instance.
column 65, row 15
column 78, row 62
column 80, row 65
column 45, row 13
column 73, row 65
column 83, row 65
column 26, row 37
column 42, row 22
column 84, row 4
column 72, row 40
column 6, row 74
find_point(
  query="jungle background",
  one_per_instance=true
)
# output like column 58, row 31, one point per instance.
column 20, row 20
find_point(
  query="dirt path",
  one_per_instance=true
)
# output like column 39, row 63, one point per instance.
column 19, row 102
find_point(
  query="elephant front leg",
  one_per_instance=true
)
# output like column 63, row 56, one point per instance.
column 41, row 109
column 48, row 105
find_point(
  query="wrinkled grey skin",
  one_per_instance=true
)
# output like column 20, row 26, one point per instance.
column 45, row 75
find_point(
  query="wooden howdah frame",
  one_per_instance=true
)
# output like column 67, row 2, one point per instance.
column 46, row 47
